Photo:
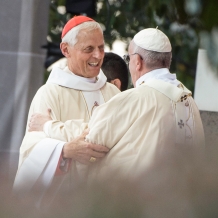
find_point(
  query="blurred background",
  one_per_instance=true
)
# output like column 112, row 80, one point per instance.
column 29, row 46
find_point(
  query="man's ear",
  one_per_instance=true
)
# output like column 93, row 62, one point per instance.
column 117, row 83
column 138, row 63
column 64, row 49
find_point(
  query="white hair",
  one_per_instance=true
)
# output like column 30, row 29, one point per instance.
column 71, row 36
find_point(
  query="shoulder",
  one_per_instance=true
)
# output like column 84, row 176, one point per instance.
column 126, row 96
column 52, row 88
column 182, row 86
column 136, row 95
column 50, row 91
column 47, row 87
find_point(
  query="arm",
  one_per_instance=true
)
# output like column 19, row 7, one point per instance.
column 41, row 101
column 111, row 121
column 76, row 148
column 67, row 131
column 41, row 170
column 68, row 127
column 48, row 96
column 80, row 150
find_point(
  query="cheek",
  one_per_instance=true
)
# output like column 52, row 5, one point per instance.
column 132, row 76
column 131, row 70
column 81, row 62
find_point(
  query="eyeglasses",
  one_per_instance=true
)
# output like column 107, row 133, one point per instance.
column 127, row 57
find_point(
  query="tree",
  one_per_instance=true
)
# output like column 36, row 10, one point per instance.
column 187, row 23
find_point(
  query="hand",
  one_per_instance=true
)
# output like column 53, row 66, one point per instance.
column 82, row 151
column 37, row 121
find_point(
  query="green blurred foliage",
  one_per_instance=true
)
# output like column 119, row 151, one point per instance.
column 183, row 21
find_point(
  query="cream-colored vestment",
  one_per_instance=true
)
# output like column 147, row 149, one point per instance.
column 69, row 97
column 142, row 124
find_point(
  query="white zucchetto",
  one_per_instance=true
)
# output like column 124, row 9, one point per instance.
column 152, row 39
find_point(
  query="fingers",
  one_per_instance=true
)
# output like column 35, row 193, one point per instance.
column 83, row 135
column 86, row 131
column 31, row 124
column 99, row 148
column 37, row 121
column 98, row 154
column 84, row 152
column 95, row 153
column 30, row 127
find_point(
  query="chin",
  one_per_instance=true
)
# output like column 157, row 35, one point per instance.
column 93, row 73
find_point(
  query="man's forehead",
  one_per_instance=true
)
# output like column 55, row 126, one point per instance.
column 81, row 43
column 89, row 37
column 90, row 44
column 89, row 33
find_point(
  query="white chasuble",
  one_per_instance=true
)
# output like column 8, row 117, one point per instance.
column 143, row 124
column 72, row 100
column 182, row 108
column 93, row 99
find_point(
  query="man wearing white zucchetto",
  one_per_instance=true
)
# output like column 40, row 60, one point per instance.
column 155, row 117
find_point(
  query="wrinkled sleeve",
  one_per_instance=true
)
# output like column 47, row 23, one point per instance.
column 111, row 121
column 65, row 131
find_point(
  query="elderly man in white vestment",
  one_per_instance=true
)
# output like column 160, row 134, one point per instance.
column 144, row 123
column 71, row 94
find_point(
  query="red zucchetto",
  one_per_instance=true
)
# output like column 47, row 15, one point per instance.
column 75, row 21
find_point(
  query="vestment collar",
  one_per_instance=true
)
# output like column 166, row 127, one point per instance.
column 158, row 74
column 170, row 90
column 64, row 77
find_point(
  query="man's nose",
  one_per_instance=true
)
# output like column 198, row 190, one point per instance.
column 97, row 53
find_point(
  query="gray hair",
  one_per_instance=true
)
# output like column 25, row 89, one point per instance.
column 153, row 59
column 71, row 36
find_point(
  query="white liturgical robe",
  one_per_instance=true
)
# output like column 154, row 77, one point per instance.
column 141, row 124
column 72, row 100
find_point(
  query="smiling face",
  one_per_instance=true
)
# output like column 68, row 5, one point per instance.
column 86, row 56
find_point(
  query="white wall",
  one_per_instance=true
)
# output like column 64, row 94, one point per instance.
column 206, row 84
